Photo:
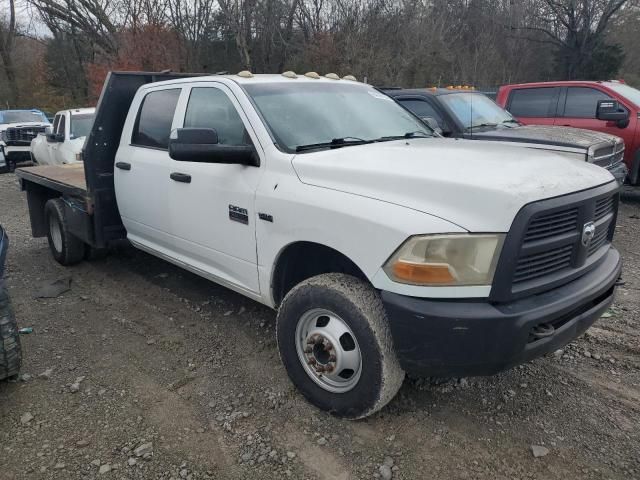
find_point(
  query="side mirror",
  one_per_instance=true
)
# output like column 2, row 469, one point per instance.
column 55, row 137
column 611, row 111
column 433, row 124
column 201, row 145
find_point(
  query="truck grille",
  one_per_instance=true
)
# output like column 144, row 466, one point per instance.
column 610, row 156
column 22, row 135
column 554, row 241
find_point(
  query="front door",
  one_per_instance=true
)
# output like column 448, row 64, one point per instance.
column 212, row 204
column 580, row 106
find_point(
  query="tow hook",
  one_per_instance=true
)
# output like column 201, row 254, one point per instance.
column 543, row 330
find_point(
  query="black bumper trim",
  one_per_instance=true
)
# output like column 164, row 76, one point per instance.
column 468, row 337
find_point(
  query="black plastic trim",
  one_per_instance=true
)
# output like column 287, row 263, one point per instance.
column 502, row 289
column 454, row 337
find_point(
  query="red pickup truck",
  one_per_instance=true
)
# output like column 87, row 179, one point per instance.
column 612, row 107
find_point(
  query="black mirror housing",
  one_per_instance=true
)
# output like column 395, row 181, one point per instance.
column 55, row 137
column 611, row 111
column 201, row 145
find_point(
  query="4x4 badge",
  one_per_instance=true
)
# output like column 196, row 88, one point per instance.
column 588, row 232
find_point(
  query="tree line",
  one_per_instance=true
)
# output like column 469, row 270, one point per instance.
column 55, row 53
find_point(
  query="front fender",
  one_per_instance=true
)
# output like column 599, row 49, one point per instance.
column 365, row 230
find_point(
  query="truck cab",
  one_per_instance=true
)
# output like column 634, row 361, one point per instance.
column 611, row 107
column 462, row 112
column 17, row 129
column 63, row 143
column 383, row 247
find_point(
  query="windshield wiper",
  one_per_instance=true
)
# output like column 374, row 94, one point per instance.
column 335, row 143
column 416, row 134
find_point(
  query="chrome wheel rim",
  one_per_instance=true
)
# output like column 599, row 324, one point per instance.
column 56, row 234
column 328, row 350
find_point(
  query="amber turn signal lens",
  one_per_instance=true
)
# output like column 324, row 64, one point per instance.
column 422, row 273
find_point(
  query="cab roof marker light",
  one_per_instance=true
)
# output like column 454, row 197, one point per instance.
column 332, row 76
column 351, row 78
column 313, row 75
column 289, row 74
column 245, row 74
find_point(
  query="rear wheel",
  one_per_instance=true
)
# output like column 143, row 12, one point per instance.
column 66, row 248
column 335, row 343
column 10, row 349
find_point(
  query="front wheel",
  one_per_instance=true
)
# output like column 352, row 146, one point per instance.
column 335, row 343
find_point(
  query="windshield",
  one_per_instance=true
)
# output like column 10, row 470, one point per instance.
column 306, row 114
column 80, row 125
column 630, row 93
column 22, row 116
column 474, row 110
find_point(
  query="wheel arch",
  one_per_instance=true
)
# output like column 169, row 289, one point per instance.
column 300, row 260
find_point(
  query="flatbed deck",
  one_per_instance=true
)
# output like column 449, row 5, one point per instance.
column 68, row 179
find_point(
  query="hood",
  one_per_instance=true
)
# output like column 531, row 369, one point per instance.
column 479, row 187
column 4, row 126
column 548, row 135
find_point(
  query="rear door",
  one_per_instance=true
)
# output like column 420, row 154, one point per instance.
column 578, row 109
column 212, row 205
column 534, row 106
column 142, row 170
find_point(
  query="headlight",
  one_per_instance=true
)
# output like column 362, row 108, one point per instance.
column 440, row 260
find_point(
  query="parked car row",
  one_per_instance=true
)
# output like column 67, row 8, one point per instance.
column 27, row 135
column 384, row 247
column 609, row 107
column 465, row 113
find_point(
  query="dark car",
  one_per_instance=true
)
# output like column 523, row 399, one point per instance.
column 10, row 352
column 465, row 113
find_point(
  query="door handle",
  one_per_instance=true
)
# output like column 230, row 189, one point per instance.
column 123, row 165
column 180, row 177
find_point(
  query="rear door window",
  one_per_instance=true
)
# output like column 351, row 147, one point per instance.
column 533, row 102
column 153, row 125
column 61, row 125
column 582, row 102
column 56, row 121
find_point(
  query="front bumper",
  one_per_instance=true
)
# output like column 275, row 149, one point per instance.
column 619, row 171
column 470, row 337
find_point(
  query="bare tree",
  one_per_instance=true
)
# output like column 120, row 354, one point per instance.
column 7, row 45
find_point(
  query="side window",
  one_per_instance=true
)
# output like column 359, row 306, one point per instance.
column 422, row 108
column 209, row 107
column 582, row 102
column 56, row 121
column 533, row 102
column 153, row 125
column 61, row 125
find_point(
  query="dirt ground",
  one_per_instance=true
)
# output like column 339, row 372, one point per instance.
column 143, row 371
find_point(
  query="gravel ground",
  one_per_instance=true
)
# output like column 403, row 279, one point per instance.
column 143, row 371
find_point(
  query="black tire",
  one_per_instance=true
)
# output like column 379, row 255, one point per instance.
column 358, row 305
column 10, row 349
column 67, row 249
